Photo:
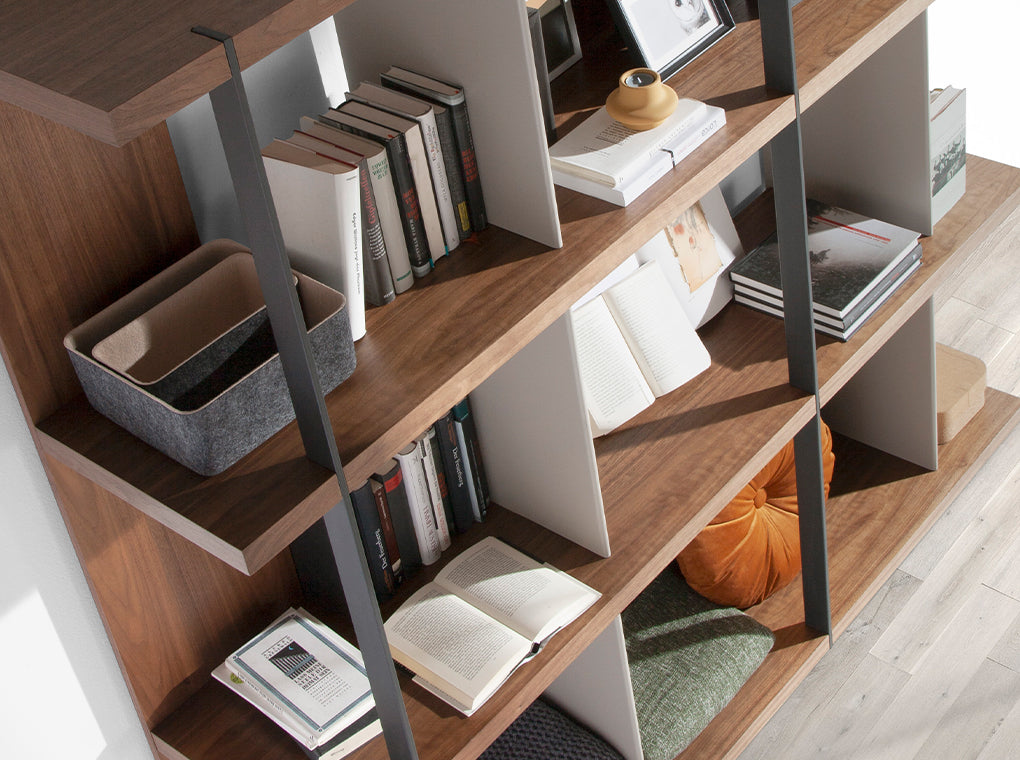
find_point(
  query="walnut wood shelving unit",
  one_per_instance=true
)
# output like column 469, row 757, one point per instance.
column 183, row 568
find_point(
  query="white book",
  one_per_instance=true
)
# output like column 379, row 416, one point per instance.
column 318, row 203
column 385, row 194
column 420, row 168
column 605, row 151
column 487, row 612
column 420, row 503
column 634, row 344
column 432, row 465
column 662, row 161
column 304, row 676
column 424, row 114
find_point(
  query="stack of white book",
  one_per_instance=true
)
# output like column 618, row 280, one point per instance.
column 607, row 160
column 856, row 261
column 310, row 681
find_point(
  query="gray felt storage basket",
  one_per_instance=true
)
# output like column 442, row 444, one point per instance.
column 229, row 395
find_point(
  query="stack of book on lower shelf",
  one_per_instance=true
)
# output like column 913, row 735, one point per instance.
column 607, row 160
column 372, row 193
column 310, row 681
column 432, row 489
column 856, row 261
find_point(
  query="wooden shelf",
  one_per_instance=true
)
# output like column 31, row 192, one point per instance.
column 149, row 529
column 116, row 68
column 476, row 310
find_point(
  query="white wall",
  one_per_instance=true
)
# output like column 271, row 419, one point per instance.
column 44, row 600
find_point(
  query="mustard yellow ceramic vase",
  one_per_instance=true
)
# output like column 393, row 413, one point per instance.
column 641, row 101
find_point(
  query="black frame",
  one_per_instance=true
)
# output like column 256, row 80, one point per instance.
column 636, row 17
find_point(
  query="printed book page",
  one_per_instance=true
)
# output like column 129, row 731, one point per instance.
column 316, row 675
column 484, row 615
column 614, row 387
column 657, row 329
column 603, row 150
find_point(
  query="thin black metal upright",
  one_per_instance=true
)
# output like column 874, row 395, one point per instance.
column 237, row 133
column 779, row 56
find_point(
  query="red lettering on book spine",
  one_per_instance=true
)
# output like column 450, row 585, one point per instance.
column 470, row 167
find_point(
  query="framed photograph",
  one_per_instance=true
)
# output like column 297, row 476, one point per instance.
column 668, row 34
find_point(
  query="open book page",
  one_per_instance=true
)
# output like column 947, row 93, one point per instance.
column 454, row 646
column 303, row 666
column 534, row 599
column 657, row 329
column 613, row 385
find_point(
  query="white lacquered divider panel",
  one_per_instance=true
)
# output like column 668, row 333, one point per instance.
column 866, row 140
column 536, row 440
column 485, row 47
column 596, row 691
column 891, row 403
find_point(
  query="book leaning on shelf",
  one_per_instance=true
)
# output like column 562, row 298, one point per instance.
column 424, row 113
column 309, row 680
column 856, row 263
column 634, row 344
column 459, row 145
column 378, row 166
column 490, row 610
column 318, row 203
column 605, row 159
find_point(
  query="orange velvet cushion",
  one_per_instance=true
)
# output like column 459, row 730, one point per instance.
column 752, row 548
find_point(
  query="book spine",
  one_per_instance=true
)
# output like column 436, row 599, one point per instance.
column 436, row 488
column 469, row 166
column 457, row 486
column 400, row 513
column 451, row 160
column 369, row 525
column 425, row 530
column 378, row 280
column 391, row 222
column 407, row 197
column 388, row 531
column 467, row 437
column 440, row 181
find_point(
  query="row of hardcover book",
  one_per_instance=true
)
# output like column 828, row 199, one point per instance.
column 434, row 488
column 372, row 193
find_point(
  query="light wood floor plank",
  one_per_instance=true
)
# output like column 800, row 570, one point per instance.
column 808, row 720
column 972, row 721
column 1005, row 744
column 966, row 563
column 1007, row 651
column 930, row 694
column 948, row 528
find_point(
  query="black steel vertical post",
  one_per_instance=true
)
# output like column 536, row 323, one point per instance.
column 244, row 159
column 791, row 224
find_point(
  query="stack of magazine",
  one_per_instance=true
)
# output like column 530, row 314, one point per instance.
column 310, row 681
column 607, row 160
column 856, row 261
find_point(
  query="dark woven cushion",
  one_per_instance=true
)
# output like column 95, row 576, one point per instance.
column 542, row 732
column 688, row 657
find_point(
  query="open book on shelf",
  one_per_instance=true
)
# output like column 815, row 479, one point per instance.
column 309, row 680
column 486, row 613
column 634, row 343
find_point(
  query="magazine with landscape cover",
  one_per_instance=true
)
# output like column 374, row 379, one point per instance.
column 849, row 254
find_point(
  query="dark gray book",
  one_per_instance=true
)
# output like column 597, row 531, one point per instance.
column 849, row 254
column 403, row 182
column 457, row 485
column 452, row 97
column 392, row 480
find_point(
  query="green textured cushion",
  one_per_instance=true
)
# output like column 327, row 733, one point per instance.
column 688, row 657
